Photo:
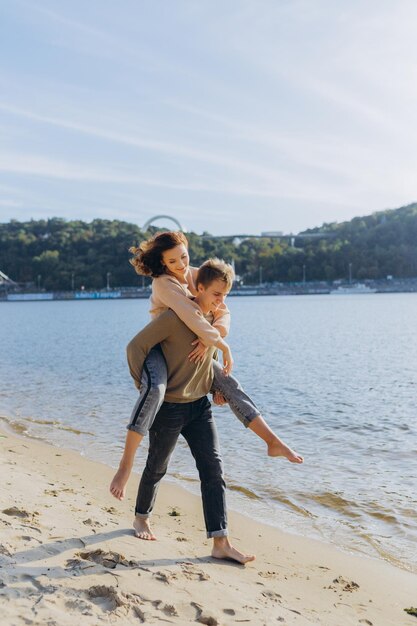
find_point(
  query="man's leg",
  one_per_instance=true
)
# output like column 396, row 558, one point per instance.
column 201, row 435
column 152, row 392
column 248, row 413
column 163, row 437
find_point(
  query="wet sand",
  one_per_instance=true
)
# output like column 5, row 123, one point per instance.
column 68, row 555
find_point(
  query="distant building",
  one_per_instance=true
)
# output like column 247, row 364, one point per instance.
column 272, row 233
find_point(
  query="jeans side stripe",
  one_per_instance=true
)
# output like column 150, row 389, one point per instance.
column 145, row 395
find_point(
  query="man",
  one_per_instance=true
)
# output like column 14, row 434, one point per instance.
column 186, row 411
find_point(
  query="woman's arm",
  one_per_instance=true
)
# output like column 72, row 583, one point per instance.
column 168, row 292
column 222, row 320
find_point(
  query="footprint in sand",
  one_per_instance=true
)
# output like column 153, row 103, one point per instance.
column 341, row 584
column 167, row 609
column 4, row 550
column 271, row 596
column 22, row 514
column 81, row 606
column 109, row 559
column 108, row 597
column 111, row 510
column 204, row 617
column 165, row 577
column 193, row 573
column 92, row 523
column 13, row 511
column 268, row 574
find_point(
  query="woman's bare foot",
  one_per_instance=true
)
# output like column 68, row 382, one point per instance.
column 279, row 448
column 223, row 549
column 143, row 529
column 276, row 447
column 119, row 482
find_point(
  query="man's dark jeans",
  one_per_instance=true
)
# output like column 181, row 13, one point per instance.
column 195, row 422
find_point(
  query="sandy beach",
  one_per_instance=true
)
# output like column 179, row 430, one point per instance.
column 68, row 555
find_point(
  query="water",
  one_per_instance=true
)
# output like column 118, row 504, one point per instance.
column 335, row 376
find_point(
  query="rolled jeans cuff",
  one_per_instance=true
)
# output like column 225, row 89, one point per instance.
column 142, row 515
column 217, row 533
column 247, row 420
column 137, row 429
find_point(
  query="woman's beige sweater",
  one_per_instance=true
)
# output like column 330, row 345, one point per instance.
column 169, row 293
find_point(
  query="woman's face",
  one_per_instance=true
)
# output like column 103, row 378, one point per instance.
column 176, row 261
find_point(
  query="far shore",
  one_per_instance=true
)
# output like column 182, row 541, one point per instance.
column 304, row 288
column 68, row 555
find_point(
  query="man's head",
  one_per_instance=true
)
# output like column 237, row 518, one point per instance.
column 214, row 281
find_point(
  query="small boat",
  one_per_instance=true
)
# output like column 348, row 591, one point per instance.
column 353, row 288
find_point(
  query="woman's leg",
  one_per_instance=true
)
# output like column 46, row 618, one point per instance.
column 201, row 435
column 248, row 413
column 151, row 397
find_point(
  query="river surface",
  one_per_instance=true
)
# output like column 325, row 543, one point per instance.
column 334, row 375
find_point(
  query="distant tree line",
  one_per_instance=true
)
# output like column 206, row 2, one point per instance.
column 58, row 254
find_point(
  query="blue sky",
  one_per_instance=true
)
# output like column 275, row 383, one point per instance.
column 233, row 116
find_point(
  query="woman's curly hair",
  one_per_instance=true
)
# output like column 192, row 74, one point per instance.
column 147, row 258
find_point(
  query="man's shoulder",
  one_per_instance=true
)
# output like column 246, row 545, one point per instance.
column 167, row 317
column 174, row 325
column 170, row 318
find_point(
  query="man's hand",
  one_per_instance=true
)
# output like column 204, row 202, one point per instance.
column 218, row 398
column 198, row 354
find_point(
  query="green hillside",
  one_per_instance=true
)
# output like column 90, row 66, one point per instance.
column 58, row 254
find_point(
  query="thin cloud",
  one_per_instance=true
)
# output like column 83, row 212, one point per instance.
column 159, row 146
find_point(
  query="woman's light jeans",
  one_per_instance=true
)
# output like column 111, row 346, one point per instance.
column 153, row 388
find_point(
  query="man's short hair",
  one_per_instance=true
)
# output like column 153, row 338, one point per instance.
column 215, row 269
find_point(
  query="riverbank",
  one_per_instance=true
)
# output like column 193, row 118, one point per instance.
column 68, row 554
column 405, row 285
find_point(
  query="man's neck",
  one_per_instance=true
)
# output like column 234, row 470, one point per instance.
column 205, row 310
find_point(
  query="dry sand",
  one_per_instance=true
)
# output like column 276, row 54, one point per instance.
column 68, row 556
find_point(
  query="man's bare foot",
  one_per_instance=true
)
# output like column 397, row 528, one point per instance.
column 119, row 482
column 223, row 549
column 143, row 529
column 279, row 448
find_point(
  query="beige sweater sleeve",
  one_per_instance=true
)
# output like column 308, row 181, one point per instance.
column 168, row 292
column 222, row 320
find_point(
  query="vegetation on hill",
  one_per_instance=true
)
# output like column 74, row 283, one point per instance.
column 57, row 254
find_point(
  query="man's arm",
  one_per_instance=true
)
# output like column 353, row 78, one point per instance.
column 139, row 347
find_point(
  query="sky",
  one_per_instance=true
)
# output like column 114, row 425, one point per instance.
column 232, row 116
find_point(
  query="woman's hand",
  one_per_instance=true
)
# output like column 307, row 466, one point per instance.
column 199, row 352
column 227, row 360
column 218, row 398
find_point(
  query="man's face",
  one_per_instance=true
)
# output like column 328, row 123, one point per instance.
column 211, row 297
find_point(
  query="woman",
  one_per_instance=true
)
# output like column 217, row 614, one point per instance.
column 165, row 258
